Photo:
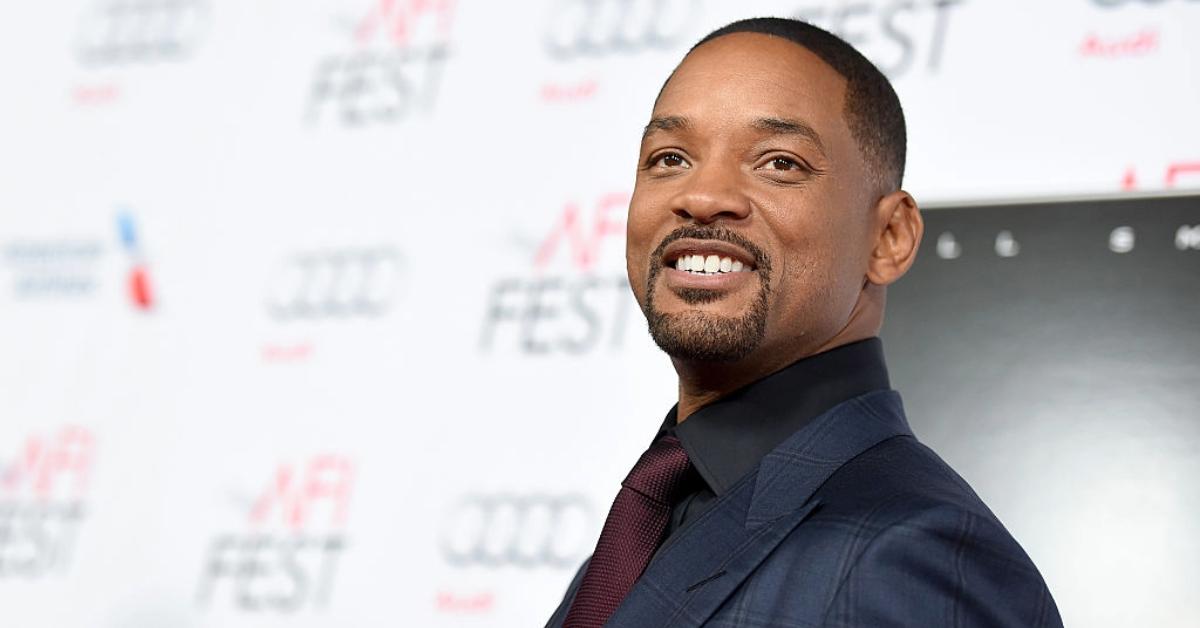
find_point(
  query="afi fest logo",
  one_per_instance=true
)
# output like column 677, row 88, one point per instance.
column 569, row 303
column 899, row 36
column 393, row 68
column 43, row 499
column 285, row 557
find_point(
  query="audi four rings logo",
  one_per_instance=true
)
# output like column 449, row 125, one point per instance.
column 593, row 28
column 126, row 31
column 335, row 283
column 526, row 531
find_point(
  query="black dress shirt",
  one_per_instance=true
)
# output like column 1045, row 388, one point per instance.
column 726, row 439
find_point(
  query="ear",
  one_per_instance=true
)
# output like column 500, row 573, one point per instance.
column 898, row 229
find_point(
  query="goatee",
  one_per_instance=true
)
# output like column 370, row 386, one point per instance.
column 700, row 336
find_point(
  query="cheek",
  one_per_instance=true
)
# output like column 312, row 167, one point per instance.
column 637, row 240
column 638, row 246
column 639, row 222
column 820, row 270
column 810, row 300
column 636, row 272
column 805, row 283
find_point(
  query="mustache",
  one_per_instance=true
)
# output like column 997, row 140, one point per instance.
column 762, row 261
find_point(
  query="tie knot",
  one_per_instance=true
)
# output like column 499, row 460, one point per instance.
column 659, row 472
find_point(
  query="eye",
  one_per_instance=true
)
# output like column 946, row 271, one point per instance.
column 668, row 160
column 785, row 168
column 783, row 163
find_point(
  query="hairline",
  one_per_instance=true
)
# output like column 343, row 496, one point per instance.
column 885, row 176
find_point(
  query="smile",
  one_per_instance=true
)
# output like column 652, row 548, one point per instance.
column 701, row 264
column 707, row 257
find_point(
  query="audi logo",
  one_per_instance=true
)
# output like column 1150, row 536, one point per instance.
column 525, row 531
column 335, row 283
column 593, row 28
column 126, row 31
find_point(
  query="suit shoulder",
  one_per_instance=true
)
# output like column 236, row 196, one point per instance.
column 900, row 489
column 903, row 516
column 901, row 477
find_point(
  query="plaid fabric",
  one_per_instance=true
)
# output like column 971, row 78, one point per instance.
column 850, row 522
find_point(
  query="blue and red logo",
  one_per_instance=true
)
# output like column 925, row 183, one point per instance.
column 137, row 283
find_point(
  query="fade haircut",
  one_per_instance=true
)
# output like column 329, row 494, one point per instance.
column 872, row 109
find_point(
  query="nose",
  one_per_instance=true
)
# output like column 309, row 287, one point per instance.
column 711, row 193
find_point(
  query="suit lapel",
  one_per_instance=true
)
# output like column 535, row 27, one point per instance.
column 789, row 475
column 703, row 563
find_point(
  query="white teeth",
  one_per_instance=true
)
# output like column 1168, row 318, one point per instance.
column 709, row 264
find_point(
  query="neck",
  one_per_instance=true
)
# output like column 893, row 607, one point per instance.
column 702, row 383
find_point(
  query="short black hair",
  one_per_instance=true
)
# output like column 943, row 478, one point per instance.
column 872, row 109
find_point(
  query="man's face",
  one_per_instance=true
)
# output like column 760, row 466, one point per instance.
column 750, row 226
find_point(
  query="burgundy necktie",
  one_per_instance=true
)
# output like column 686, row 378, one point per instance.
column 631, row 534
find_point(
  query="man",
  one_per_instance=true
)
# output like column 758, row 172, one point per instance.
column 785, row 488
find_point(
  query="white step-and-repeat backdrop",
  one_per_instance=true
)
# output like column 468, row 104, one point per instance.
column 313, row 313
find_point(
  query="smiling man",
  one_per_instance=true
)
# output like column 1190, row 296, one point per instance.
column 785, row 488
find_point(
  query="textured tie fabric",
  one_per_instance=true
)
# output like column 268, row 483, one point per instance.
column 631, row 534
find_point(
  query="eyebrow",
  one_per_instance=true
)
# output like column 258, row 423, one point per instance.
column 666, row 123
column 784, row 126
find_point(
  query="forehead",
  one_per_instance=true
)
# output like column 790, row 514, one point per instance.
column 745, row 76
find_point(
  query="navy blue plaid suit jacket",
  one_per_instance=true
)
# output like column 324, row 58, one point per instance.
column 850, row 522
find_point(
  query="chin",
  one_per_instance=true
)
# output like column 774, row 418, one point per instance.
column 699, row 336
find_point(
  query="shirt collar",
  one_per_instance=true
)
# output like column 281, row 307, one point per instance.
column 726, row 439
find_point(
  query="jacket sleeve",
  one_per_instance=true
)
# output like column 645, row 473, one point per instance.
column 943, row 567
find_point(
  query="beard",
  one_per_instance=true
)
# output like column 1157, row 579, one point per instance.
column 699, row 336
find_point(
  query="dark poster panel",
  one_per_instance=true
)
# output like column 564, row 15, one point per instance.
column 1051, row 353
